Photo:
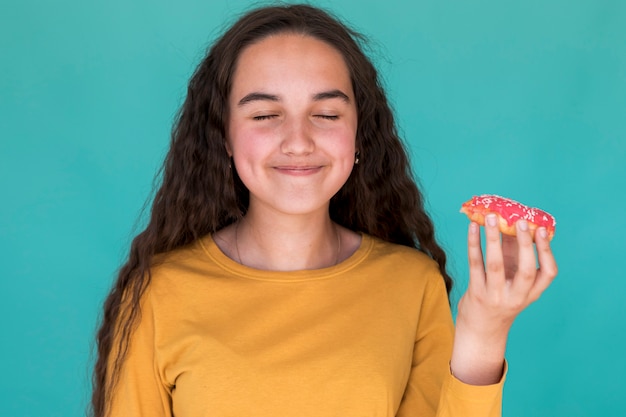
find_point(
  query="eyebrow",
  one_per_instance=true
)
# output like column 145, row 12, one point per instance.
column 257, row 97
column 325, row 95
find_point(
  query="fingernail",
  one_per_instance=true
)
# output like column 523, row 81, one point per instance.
column 491, row 220
column 543, row 232
column 473, row 228
column 523, row 225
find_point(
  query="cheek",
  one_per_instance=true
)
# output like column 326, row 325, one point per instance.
column 248, row 148
column 241, row 140
column 349, row 132
column 345, row 142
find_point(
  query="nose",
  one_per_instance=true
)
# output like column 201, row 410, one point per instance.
column 297, row 138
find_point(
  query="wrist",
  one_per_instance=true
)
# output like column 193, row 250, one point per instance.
column 478, row 357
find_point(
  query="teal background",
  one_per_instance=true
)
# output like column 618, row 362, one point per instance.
column 524, row 99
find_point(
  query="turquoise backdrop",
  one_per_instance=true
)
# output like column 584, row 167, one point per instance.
column 524, row 99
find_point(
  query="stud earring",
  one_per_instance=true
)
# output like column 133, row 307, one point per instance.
column 356, row 158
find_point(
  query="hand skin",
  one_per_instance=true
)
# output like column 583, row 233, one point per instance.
column 499, row 289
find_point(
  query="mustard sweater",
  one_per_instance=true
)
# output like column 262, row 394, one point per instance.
column 371, row 336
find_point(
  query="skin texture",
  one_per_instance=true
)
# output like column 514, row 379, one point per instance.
column 292, row 135
column 292, row 124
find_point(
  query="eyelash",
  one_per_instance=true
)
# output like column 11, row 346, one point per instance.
column 264, row 117
column 271, row 116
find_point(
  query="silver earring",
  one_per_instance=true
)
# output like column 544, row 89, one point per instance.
column 356, row 158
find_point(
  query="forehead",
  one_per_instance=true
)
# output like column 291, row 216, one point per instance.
column 290, row 60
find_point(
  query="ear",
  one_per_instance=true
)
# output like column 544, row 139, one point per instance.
column 229, row 150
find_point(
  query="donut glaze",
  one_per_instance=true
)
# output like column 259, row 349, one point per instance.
column 508, row 212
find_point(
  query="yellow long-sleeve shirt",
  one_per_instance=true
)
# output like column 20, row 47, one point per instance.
column 371, row 336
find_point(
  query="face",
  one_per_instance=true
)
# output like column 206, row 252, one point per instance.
column 292, row 125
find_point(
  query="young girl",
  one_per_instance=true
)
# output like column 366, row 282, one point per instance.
column 289, row 267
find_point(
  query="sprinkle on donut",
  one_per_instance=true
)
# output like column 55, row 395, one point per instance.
column 508, row 212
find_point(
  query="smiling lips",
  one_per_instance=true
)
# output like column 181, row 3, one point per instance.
column 298, row 170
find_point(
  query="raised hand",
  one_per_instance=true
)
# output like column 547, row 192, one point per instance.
column 509, row 278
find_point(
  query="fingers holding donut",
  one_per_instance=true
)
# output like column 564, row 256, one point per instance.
column 507, row 278
column 548, row 268
column 475, row 257
column 508, row 212
column 525, row 268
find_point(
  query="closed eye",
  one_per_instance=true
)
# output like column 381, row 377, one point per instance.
column 265, row 117
column 327, row 116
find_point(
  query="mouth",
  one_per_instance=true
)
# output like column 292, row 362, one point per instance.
column 298, row 170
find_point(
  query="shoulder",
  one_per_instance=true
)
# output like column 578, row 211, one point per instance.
column 400, row 263
column 402, row 255
column 405, row 275
column 184, row 268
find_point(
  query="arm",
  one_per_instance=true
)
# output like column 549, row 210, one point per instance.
column 470, row 384
column 139, row 390
column 499, row 289
column 431, row 389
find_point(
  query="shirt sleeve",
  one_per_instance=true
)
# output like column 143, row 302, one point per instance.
column 140, row 390
column 432, row 390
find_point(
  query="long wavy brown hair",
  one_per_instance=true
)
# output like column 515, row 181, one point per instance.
column 200, row 193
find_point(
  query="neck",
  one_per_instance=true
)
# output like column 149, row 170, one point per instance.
column 287, row 243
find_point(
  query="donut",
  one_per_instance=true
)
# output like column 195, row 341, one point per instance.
column 508, row 212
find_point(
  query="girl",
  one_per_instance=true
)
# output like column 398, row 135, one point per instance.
column 289, row 267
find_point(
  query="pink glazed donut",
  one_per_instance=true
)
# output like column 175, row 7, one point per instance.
column 508, row 212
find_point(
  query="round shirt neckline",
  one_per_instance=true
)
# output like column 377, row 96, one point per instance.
column 211, row 249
